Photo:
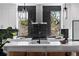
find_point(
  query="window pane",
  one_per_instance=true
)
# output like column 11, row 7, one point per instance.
column 55, row 22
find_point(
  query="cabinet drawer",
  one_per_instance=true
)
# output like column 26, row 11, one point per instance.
column 58, row 53
column 13, row 53
column 36, row 53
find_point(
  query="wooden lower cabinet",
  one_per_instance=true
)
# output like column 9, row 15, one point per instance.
column 58, row 53
column 77, row 53
column 36, row 53
column 39, row 53
column 17, row 53
column 55, row 53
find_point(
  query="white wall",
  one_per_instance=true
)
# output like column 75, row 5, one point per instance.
column 73, row 14
column 7, row 15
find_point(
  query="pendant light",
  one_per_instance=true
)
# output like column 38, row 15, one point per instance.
column 65, row 11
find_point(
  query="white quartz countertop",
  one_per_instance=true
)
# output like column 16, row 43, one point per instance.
column 24, row 45
column 70, row 43
column 25, row 42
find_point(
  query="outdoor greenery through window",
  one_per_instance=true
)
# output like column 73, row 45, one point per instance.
column 55, row 23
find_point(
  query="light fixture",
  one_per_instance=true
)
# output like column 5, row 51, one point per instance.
column 22, row 12
column 65, row 14
column 24, row 9
column 65, row 11
column 65, row 8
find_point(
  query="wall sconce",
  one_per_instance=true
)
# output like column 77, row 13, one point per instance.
column 65, row 11
column 23, row 13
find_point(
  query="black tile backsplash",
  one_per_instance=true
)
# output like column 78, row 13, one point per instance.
column 39, row 30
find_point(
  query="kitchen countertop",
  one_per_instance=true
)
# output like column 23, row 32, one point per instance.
column 23, row 45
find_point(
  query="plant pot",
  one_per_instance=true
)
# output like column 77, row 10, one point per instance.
column 2, row 53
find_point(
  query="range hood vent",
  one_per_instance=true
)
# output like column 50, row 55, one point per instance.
column 39, row 13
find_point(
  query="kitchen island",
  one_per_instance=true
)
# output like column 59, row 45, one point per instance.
column 24, row 47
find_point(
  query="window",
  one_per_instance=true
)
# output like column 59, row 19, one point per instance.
column 55, row 23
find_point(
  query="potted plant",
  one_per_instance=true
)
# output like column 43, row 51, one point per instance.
column 1, row 48
column 7, row 33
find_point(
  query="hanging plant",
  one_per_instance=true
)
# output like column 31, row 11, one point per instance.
column 24, row 22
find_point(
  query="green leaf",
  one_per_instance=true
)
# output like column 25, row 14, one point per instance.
column 24, row 22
